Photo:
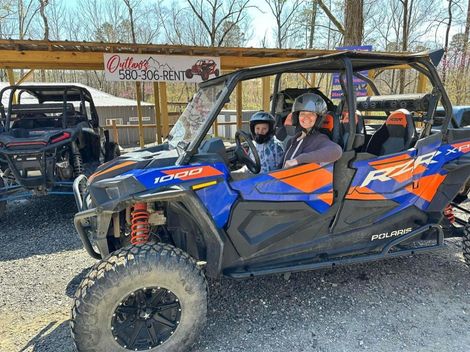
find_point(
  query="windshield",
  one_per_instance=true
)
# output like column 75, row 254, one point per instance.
column 194, row 116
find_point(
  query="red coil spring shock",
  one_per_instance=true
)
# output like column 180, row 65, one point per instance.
column 140, row 224
column 449, row 213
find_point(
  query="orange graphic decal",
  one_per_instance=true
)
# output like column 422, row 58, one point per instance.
column 427, row 186
column 116, row 167
column 307, row 178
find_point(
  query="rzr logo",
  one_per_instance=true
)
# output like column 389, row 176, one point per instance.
column 386, row 174
column 179, row 175
column 462, row 148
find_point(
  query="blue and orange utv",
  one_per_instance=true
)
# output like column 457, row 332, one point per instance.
column 161, row 219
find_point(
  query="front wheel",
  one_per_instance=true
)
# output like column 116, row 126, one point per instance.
column 189, row 73
column 466, row 243
column 149, row 297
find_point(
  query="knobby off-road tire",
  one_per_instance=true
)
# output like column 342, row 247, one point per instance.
column 466, row 244
column 129, row 270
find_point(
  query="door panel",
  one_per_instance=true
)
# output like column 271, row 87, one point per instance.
column 310, row 183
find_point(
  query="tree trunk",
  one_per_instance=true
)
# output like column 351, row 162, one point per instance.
column 354, row 22
column 404, row 43
column 462, row 83
column 446, row 44
column 42, row 11
column 313, row 18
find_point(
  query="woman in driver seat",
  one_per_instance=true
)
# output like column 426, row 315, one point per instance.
column 269, row 149
column 309, row 145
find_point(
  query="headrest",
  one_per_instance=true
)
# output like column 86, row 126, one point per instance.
column 398, row 118
column 328, row 122
column 345, row 117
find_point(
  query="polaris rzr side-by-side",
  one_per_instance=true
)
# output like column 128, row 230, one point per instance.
column 203, row 68
column 162, row 219
column 49, row 135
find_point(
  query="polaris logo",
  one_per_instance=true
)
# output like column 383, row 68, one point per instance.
column 394, row 233
column 386, row 174
column 179, row 175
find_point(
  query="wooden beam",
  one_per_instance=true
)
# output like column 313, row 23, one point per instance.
column 164, row 110
column 266, row 83
column 158, row 114
column 138, row 88
column 67, row 60
column 239, row 104
column 25, row 77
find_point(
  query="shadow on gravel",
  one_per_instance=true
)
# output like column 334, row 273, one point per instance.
column 58, row 339
column 38, row 226
column 75, row 282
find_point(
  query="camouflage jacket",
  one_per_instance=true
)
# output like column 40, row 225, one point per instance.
column 271, row 154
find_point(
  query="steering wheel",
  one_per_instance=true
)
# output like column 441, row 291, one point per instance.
column 243, row 149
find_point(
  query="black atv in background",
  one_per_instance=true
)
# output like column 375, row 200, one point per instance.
column 49, row 134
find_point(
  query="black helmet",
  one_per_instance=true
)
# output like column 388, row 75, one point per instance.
column 262, row 117
column 309, row 102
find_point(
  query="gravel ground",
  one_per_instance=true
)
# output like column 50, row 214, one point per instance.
column 419, row 303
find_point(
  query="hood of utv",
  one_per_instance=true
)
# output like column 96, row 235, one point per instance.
column 112, row 182
column 141, row 159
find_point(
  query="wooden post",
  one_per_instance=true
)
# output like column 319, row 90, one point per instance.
column 164, row 110
column 422, row 83
column 266, row 93
column 313, row 79
column 139, row 114
column 11, row 80
column 239, row 105
column 158, row 114
column 371, row 75
column 115, row 132
column 216, row 127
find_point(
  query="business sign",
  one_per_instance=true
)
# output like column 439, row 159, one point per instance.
column 359, row 84
column 160, row 68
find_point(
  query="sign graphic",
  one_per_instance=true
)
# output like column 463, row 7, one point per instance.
column 359, row 84
column 160, row 68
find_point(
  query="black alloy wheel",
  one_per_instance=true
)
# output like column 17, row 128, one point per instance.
column 146, row 318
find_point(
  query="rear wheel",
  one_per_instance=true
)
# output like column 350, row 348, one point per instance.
column 147, row 297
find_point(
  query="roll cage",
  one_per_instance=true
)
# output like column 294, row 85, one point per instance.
column 349, row 64
column 63, row 94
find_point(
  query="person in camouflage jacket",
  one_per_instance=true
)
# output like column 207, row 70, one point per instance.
column 270, row 149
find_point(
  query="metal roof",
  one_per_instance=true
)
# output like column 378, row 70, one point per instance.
column 100, row 98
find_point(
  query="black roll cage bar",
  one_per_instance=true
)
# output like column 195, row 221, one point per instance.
column 327, row 64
